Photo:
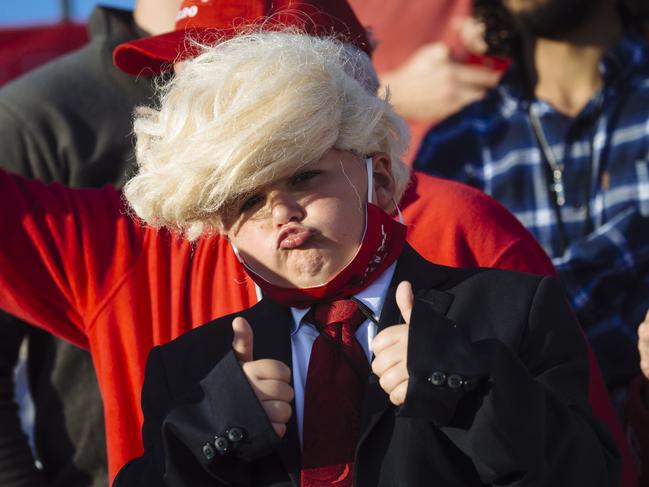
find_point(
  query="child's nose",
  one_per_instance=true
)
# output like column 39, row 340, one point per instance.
column 285, row 209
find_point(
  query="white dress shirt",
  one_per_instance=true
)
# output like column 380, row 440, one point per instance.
column 303, row 335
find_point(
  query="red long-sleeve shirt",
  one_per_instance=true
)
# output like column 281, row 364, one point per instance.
column 74, row 263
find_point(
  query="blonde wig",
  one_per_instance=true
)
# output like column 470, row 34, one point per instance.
column 251, row 110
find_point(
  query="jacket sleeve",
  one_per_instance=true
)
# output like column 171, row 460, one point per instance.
column 522, row 416
column 63, row 253
column 31, row 153
column 636, row 416
column 210, row 435
column 17, row 464
column 605, row 273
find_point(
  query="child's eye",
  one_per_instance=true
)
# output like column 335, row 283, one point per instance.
column 304, row 176
column 250, row 203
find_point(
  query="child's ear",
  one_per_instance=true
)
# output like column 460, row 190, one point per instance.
column 223, row 233
column 384, row 185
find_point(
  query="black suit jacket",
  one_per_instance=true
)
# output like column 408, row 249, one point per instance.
column 520, row 416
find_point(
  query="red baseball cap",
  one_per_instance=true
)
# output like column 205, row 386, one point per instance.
column 217, row 19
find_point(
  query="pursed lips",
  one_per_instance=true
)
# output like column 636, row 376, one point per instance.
column 292, row 236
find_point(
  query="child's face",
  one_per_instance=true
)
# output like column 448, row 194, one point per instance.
column 300, row 231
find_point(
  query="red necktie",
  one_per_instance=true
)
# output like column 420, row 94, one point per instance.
column 333, row 395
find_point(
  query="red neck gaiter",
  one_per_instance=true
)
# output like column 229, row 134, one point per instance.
column 380, row 246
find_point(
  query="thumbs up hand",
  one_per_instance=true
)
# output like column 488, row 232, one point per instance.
column 390, row 348
column 270, row 379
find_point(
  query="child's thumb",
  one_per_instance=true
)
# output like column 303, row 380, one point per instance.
column 242, row 341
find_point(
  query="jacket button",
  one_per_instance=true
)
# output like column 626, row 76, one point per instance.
column 437, row 378
column 221, row 444
column 235, row 435
column 208, row 451
column 470, row 384
column 455, row 381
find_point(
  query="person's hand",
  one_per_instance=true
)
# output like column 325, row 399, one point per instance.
column 270, row 379
column 643, row 345
column 390, row 349
column 430, row 85
column 471, row 33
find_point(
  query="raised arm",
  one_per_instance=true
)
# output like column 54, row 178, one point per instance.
column 62, row 252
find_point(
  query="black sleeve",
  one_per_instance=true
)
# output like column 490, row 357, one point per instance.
column 17, row 464
column 211, row 435
column 23, row 151
column 522, row 416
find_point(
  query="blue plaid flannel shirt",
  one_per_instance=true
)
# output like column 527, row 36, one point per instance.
column 601, row 250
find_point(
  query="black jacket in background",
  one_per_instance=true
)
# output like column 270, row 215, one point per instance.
column 68, row 121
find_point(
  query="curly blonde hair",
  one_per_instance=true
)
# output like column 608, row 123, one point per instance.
column 251, row 110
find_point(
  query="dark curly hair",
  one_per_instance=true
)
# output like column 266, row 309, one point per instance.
column 503, row 38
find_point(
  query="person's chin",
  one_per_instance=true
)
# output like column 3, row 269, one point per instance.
column 310, row 269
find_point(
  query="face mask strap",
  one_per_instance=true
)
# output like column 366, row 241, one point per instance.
column 241, row 261
column 236, row 253
column 370, row 179
column 399, row 214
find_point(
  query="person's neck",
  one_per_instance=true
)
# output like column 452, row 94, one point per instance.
column 156, row 16
column 565, row 72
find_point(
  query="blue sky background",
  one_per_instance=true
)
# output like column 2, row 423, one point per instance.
column 26, row 12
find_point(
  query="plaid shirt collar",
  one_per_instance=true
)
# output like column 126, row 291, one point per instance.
column 616, row 66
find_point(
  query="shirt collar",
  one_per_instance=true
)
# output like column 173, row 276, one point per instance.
column 622, row 59
column 373, row 296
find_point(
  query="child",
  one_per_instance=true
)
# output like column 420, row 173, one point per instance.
column 363, row 363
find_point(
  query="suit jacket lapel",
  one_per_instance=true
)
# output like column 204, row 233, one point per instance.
column 271, row 325
column 423, row 276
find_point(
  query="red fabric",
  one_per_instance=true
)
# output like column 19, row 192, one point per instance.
column 73, row 263
column 335, row 384
column 207, row 20
column 24, row 48
column 382, row 244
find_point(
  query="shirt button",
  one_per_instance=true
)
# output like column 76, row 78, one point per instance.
column 455, row 381
column 221, row 444
column 437, row 378
column 235, row 435
column 208, row 451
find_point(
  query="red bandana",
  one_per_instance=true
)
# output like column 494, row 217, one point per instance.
column 380, row 246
